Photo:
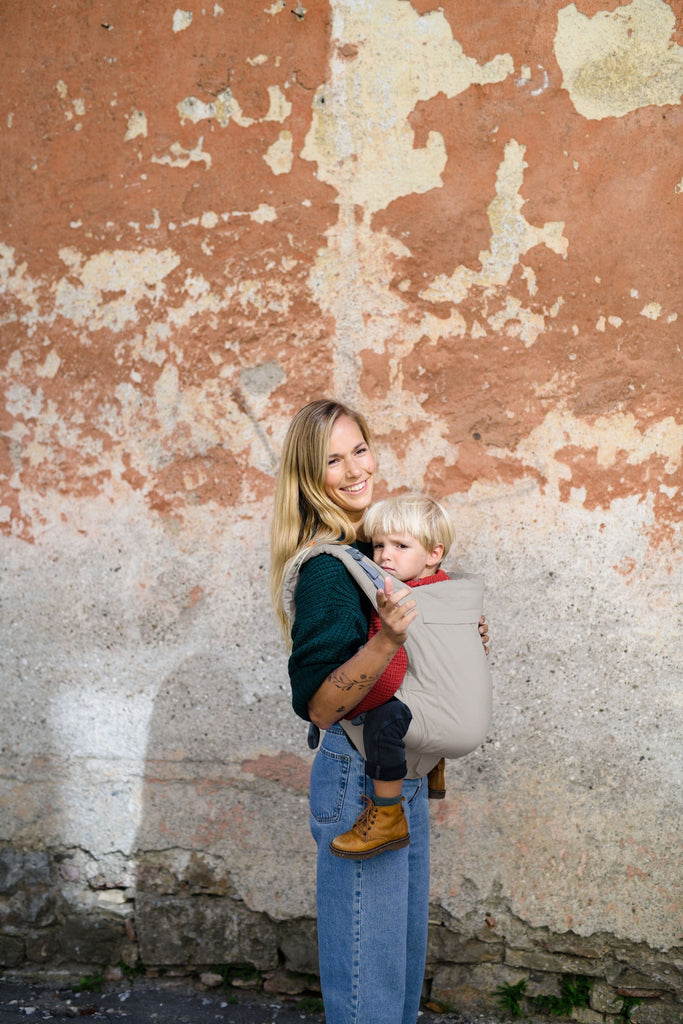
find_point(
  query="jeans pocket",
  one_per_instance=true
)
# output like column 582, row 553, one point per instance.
column 329, row 779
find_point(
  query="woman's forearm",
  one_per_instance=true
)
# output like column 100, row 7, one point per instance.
column 347, row 685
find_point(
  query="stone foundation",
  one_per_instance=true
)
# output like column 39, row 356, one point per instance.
column 175, row 914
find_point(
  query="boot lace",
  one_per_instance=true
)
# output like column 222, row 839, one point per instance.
column 366, row 818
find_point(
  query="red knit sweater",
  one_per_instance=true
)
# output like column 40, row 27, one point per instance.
column 392, row 677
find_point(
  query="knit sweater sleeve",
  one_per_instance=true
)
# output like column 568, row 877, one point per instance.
column 330, row 626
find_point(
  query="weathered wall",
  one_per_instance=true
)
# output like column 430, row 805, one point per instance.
column 463, row 218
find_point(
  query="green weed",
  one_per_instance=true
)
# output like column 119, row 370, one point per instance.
column 510, row 997
column 136, row 971
column 90, row 983
column 243, row 972
column 628, row 1003
column 310, row 1004
column 574, row 993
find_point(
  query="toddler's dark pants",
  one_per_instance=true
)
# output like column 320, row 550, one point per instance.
column 383, row 730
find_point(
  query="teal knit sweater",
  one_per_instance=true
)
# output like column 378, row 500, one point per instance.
column 330, row 625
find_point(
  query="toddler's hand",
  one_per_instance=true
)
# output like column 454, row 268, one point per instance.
column 484, row 633
column 394, row 617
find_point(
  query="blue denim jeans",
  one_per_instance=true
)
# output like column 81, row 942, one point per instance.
column 372, row 914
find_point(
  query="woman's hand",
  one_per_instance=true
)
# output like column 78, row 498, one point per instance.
column 395, row 618
column 484, row 633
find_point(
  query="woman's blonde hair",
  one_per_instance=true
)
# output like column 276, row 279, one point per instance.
column 415, row 514
column 303, row 511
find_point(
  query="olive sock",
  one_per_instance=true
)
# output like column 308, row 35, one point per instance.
column 386, row 801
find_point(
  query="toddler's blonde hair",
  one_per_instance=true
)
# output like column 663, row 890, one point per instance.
column 415, row 514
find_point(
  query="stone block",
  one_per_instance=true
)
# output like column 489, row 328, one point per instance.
column 11, row 950
column 444, row 944
column 454, row 947
column 84, row 939
column 10, row 868
column 664, row 969
column 658, row 1012
column 23, row 868
column 543, row 985
column 42, row 946
column 284, row 983
column 25, row 907
column 537, row 960
column 210, row 979
column 41, row 908
column 604, row 999
column 474, row 952
column 471, row 988
column 130, row 954
column 641, row 984
column 203, row 929
column 593, row 946
column 584, row 1015
column 176, row 872
column 298, row 942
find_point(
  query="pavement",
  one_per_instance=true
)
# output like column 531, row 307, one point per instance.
column 145, row 1001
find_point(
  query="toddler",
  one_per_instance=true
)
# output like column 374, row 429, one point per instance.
column 411, row 535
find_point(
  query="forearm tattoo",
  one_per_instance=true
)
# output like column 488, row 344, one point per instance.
column 345, row 684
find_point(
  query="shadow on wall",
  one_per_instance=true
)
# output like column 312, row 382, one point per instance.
column 223, row 844
column 132, row 743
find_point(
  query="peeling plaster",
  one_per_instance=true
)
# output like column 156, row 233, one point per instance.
column 621, row 60
column 225, row 109
column 360, row 137
column 50, row 367
column 279, row 156
column 181, row 20
column 360, row 300
column 362, row 143
column 17, row 284
column 610, row 437
column 652, row 311
column 137, row 275
column 180, row 157
column 511, row 237
column 137, row 126
column 263, row 215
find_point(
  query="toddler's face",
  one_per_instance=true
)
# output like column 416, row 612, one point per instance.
column 403, row 556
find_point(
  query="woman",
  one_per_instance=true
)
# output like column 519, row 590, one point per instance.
column 372, row 914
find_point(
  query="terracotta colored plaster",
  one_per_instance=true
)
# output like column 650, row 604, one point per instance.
column 175, row 165
column 143, row 180
column 288, row 771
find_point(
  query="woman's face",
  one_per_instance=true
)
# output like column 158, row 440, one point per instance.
column 349, row 478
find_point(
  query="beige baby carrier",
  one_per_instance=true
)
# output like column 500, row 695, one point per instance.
column 448, row 683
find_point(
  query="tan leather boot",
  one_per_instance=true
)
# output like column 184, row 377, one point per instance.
column 376, row 829
column 436, row 781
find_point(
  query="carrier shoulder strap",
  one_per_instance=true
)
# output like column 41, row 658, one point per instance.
column 361, row 568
